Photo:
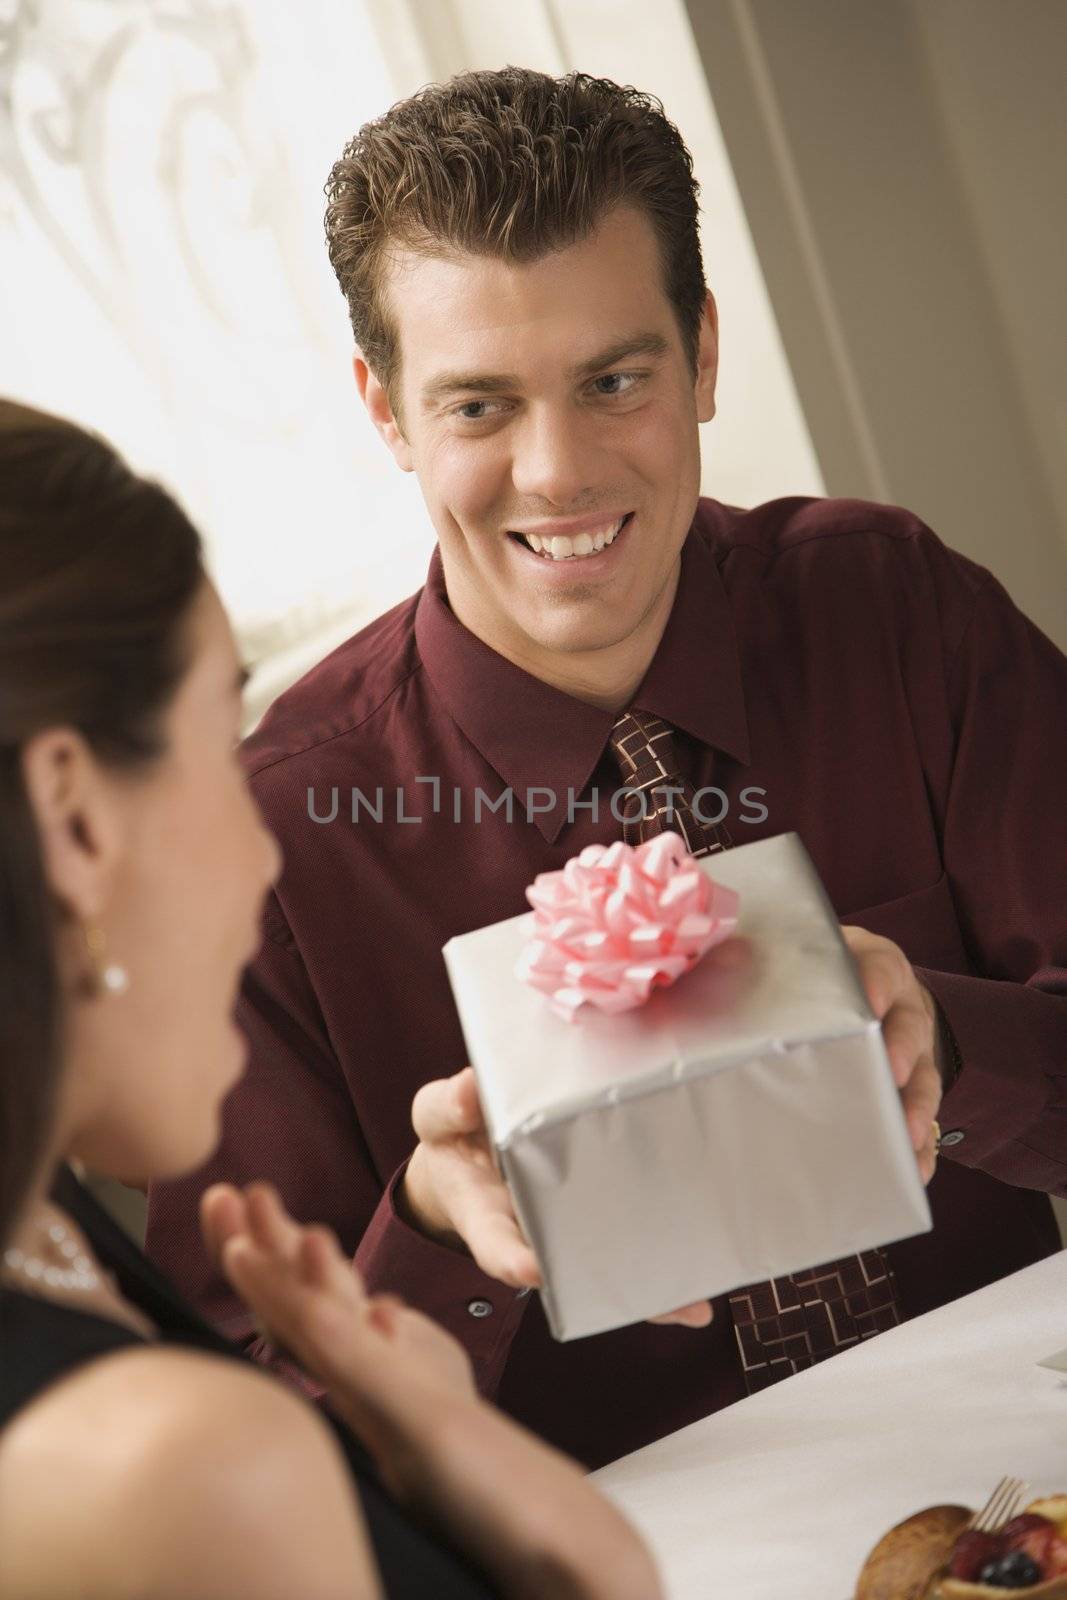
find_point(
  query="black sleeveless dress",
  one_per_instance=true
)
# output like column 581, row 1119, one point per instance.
column 41, row 1341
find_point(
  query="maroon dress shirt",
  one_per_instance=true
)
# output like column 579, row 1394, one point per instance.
column 833, row 669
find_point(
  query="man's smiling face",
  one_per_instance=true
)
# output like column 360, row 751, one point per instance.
column 550, row 413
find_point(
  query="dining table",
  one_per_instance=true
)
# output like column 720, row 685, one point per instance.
column 782, row 1495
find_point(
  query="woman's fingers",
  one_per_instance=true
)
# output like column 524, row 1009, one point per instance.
column 323, row 1265
column 223, row 1213
column 269, row 1223
column 312, row 1281
column 314, row 1261
column 270, row 1238
column 307, row 1296
column 274, row 1296
column 384, row 1313
column 246, row 1266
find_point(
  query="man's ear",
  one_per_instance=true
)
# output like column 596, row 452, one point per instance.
column 707, row 360
column 380, row 412
column 78, row 821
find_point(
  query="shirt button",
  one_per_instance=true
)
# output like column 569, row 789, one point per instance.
column 954, row 1136
column 480, row 1308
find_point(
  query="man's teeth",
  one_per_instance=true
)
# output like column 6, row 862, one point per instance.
column 562, row 548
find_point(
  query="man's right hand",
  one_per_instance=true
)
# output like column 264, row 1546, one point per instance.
column 453, row 1192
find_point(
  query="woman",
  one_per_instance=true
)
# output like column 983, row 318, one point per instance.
column 139, row 1455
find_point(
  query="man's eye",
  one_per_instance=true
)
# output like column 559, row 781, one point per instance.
column 473, row 410
column 626, row 380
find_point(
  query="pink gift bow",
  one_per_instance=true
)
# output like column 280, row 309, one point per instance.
column 621, row 920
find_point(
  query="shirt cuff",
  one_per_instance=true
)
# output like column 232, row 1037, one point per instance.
column 447, row 1285
column 1006, row 1111
column 949, row 1058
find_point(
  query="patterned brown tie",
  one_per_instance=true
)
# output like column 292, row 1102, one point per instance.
column 793, row 1322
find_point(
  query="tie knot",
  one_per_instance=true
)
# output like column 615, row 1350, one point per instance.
column 643, row 746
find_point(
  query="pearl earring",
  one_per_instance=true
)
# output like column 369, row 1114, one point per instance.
column 109, row 977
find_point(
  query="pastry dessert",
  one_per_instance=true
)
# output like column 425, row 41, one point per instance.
column 938, row 1555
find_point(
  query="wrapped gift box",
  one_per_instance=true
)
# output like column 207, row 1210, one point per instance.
column 708, row 1139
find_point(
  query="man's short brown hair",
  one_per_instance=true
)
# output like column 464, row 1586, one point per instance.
column 512, row 164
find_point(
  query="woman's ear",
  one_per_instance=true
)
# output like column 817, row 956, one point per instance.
column 78, row 820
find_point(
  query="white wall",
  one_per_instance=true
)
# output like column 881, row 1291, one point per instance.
column 903, row 171
column 999, row 77
column 165, row 278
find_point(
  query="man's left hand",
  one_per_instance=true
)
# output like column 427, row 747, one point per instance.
column 910, row 1028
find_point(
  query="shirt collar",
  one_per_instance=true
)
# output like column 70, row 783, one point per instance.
column 694, row 680
column 537, row 737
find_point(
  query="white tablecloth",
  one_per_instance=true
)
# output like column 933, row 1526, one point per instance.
column 783, row 1494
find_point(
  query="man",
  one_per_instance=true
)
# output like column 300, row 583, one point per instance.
column 537, row 343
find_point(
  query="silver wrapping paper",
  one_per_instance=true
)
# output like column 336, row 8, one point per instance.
column 686, row 1148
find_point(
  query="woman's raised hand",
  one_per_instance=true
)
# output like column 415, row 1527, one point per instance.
column 380, row 1360
column 404, row 1384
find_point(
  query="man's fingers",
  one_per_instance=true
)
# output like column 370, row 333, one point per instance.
column 495, row 1240
column 432, row 1111
column 697, row 1315
column 884, row 973
column 447, row 1108
column 927, row 1157
column 468, row 1105
column 908, row 1035
column 921, row 1099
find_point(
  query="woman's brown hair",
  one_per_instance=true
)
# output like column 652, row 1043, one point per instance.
column 98, row 571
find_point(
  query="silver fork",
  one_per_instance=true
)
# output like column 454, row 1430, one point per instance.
column 1002, row 1505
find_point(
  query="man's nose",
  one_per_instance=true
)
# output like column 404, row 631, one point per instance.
column 553, row 458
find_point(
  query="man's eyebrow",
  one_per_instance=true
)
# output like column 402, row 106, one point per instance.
column 642, row 344
column 446, row 383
